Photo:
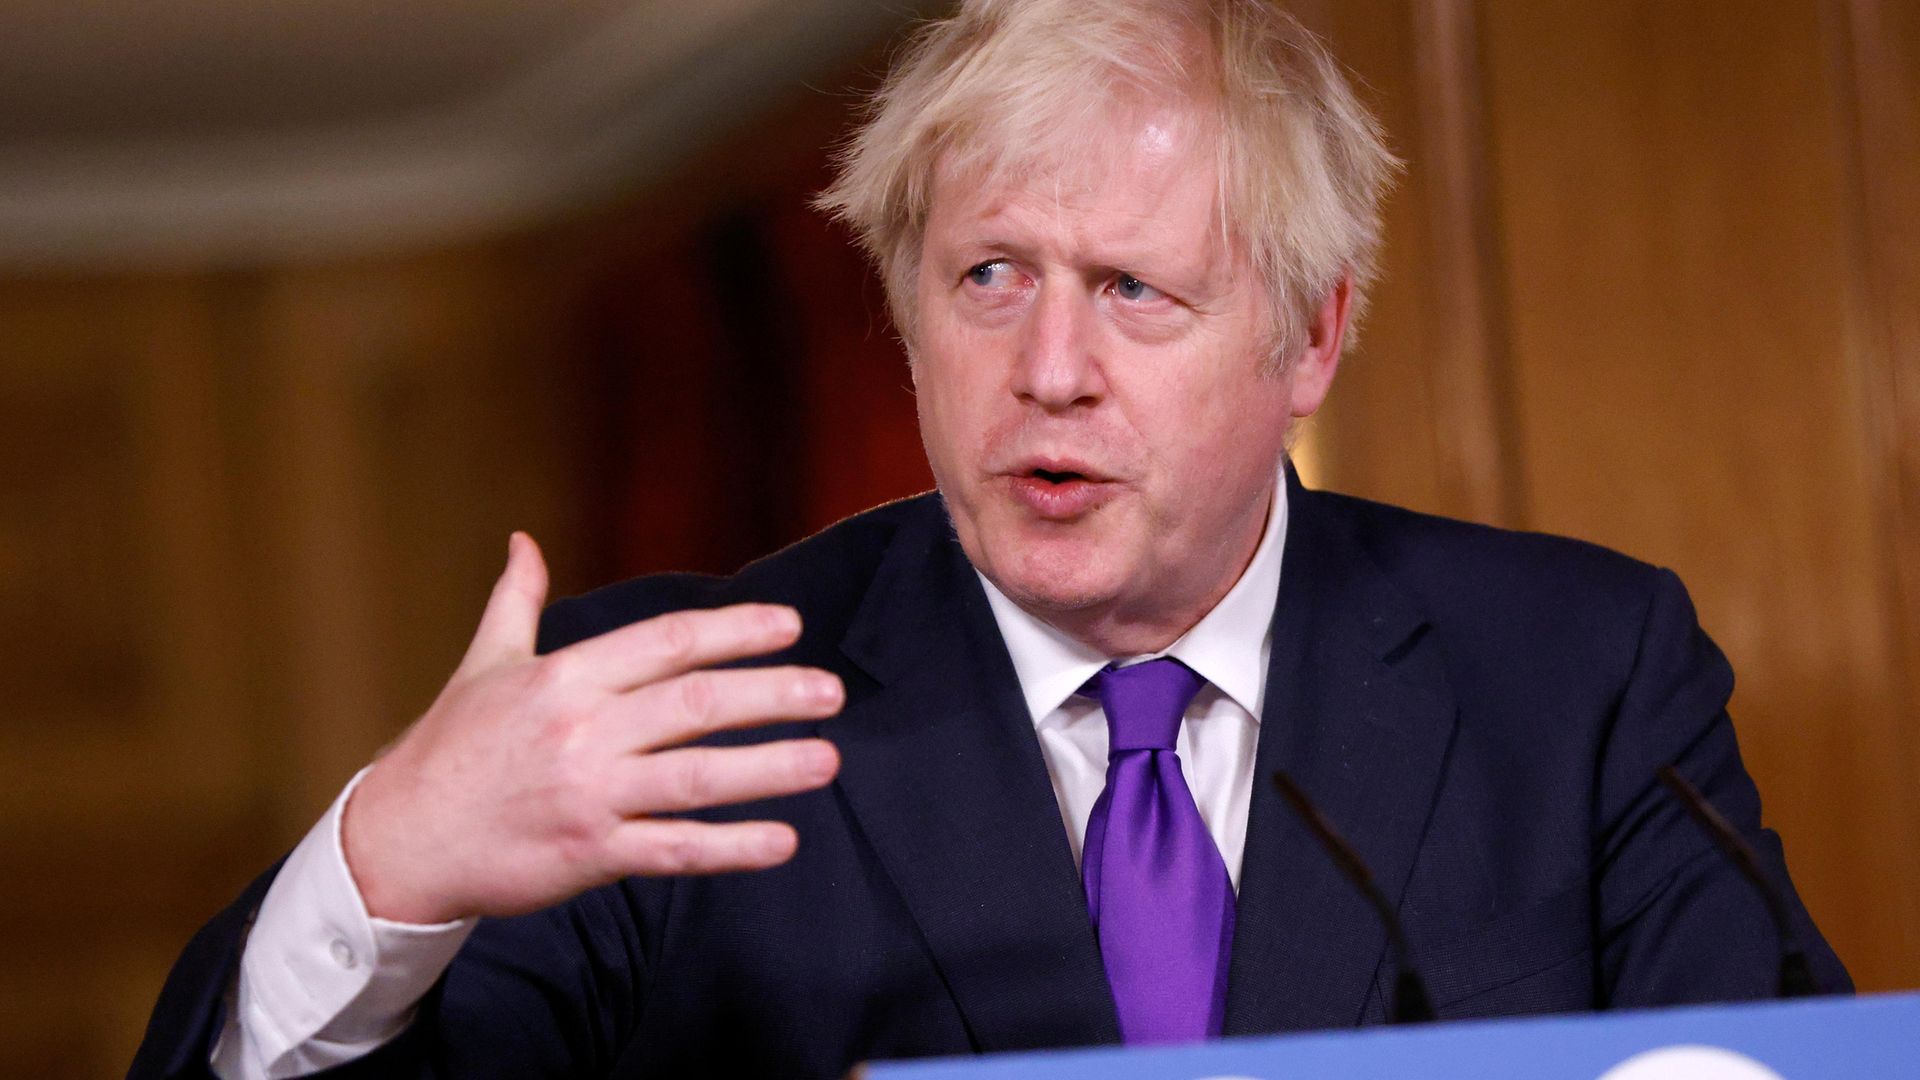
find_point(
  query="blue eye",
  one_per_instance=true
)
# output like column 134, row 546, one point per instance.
column 1128, row 287
column 989, row 274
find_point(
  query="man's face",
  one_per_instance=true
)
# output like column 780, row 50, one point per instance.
column 1093, row 391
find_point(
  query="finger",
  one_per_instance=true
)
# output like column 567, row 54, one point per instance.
column 673, row 644
column 511, row 621
column 660, row 848
column 699, row 777
column 686, row 707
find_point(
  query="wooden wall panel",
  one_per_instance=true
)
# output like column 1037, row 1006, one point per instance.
column 1423, row 416
column 402, row 428
column 1874, row 46
column 1379, row 433
column 1650, row 280
column 252, row 517
column 1673, row 199
column 126, row 753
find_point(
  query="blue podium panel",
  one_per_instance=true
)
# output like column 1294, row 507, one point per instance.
column 1817, row 1039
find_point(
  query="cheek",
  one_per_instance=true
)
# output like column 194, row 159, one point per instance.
column 947, row 406
column 932, row 406
column 958, row 380
column 1210, row 433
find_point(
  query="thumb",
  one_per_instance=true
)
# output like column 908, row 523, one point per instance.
column 512, row 620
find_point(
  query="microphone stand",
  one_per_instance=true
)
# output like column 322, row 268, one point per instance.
column 1410, row 1000
column 1796, row 977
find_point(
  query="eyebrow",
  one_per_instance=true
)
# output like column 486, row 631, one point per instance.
column 990, row 242
column 1151, row 264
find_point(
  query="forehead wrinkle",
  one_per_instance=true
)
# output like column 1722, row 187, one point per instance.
column 1069, row 209
column 1092, row 218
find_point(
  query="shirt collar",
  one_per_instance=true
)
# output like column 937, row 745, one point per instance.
column 1228, row 647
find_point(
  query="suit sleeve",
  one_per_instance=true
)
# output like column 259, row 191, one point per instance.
column 192, row 1008
column 1676, row 921
column 555, row 993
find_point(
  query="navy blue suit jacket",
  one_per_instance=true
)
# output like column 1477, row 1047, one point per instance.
column 1481, row 712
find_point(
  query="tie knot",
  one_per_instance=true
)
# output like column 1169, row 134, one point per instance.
column 1144, row 702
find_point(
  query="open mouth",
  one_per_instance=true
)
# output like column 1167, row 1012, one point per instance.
column 1060, row 494
column 1053, row 477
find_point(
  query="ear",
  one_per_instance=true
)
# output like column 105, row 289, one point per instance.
column 1312, row 371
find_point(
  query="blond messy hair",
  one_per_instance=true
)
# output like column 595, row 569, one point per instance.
column 1003, row 84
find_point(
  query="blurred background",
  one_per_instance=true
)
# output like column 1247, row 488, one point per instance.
column 304, row 305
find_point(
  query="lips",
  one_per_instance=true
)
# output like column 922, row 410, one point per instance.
column 1059, row 468
column 1059, row 489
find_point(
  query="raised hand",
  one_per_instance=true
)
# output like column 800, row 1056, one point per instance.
column 534, row 778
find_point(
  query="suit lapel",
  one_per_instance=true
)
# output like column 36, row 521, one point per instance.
column 1358, row 711
column 944, row 776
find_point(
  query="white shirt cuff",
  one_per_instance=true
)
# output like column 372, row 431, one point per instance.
column 322, row 982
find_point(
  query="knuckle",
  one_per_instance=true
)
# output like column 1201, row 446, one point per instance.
column 695, row 782
column 676, row 638
column 584, row 859
column 698, row 698
column 561, row 733
column 679, row 853
column 577, row 835
column 573, row 777
column 573, row 809
column 516, row 589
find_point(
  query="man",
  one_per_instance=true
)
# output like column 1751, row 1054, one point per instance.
column 998, row 758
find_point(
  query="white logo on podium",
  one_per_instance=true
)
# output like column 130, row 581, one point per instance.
column 1690, row 1063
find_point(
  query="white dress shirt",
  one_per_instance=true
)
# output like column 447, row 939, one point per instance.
column 322, row 982
column 1228, row 647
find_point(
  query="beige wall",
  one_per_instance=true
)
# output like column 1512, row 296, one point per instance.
column 1651, row 281
column 1654, row 281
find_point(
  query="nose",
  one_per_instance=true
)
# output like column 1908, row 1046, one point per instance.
column 1058, row 367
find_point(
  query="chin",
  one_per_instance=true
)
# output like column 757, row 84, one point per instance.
column 1053, row 597
column 1054, row 576
column 1047, row 567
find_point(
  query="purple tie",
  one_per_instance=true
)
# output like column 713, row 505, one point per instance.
column 1161, row 901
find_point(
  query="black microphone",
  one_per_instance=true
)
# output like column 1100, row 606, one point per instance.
column 1410, row 1001
column 1796, row 978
